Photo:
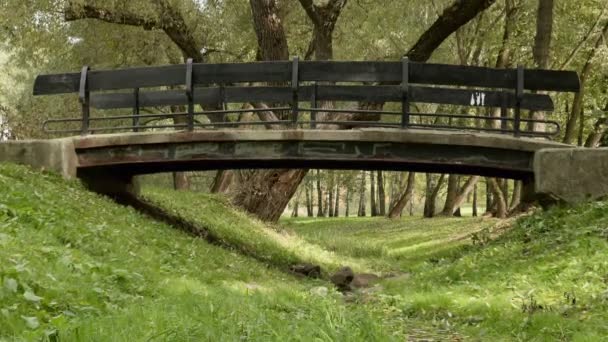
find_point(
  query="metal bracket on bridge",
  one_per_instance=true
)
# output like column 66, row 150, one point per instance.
column 84, row 98
column 190, row 94
column 294, row 88
column 519, row 92
column 405, row 88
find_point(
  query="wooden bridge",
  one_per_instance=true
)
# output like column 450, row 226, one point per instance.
column 332, row 115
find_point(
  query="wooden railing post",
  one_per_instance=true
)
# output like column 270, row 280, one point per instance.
column 519, row 92
column 190, row 95
column 84, row 98
column 405, row 87
column 294, row 88
column 136, row 110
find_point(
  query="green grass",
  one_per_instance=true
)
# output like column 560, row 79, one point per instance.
column 77, row 266
column 389, row 245
column 269, row 244
column 544, row 280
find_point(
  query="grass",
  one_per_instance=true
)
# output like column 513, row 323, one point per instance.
column 546, row 279
column 77, row 267
column 389, row 244
column 269, row 244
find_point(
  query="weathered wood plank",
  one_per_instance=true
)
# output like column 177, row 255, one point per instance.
column 326, row 93
column 330, row 71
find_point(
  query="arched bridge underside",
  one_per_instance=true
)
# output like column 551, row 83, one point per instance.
column 368, row 149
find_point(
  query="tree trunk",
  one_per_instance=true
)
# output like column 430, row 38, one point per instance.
column 330, row 195
column 451, row 195
column 475, row 214
column 319, row 195
column 309, row 211
column 381, row 195
column 503, row 58
column 181, row 181
column 362, row 195
column 222, row 181
column 405, row 198
column 489, row 199
column 516, row 198
column 431, row 195
column 578, row 104
column 296, row 206
column 542, row 48
column 595, row 137
column 461, row 196
column 337, row 204
column 347, row 203
column 501, row 204
column 372, row 194
column 267, row 193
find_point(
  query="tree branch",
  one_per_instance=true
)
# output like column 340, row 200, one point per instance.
column 169, row 20
column 452, row 18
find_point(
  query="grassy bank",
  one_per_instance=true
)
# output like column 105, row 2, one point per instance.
column 77, row 267
column 546, row 279
column 269, row 244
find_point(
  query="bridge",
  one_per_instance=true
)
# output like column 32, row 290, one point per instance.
column 333, row 115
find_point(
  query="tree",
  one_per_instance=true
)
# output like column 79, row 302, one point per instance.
column 405, row 198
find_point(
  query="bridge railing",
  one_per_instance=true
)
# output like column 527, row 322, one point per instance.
column 279, row 92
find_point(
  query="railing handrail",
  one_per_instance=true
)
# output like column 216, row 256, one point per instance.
column 399, row 82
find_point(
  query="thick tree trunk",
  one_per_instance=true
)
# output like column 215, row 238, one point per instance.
column 267, row 193
column 269, row 30
column 405, row 198
column 372, row 194
column 381, row 195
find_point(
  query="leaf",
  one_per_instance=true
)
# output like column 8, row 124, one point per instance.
column 30, row 296
column 31, row 322
column 11, row 284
